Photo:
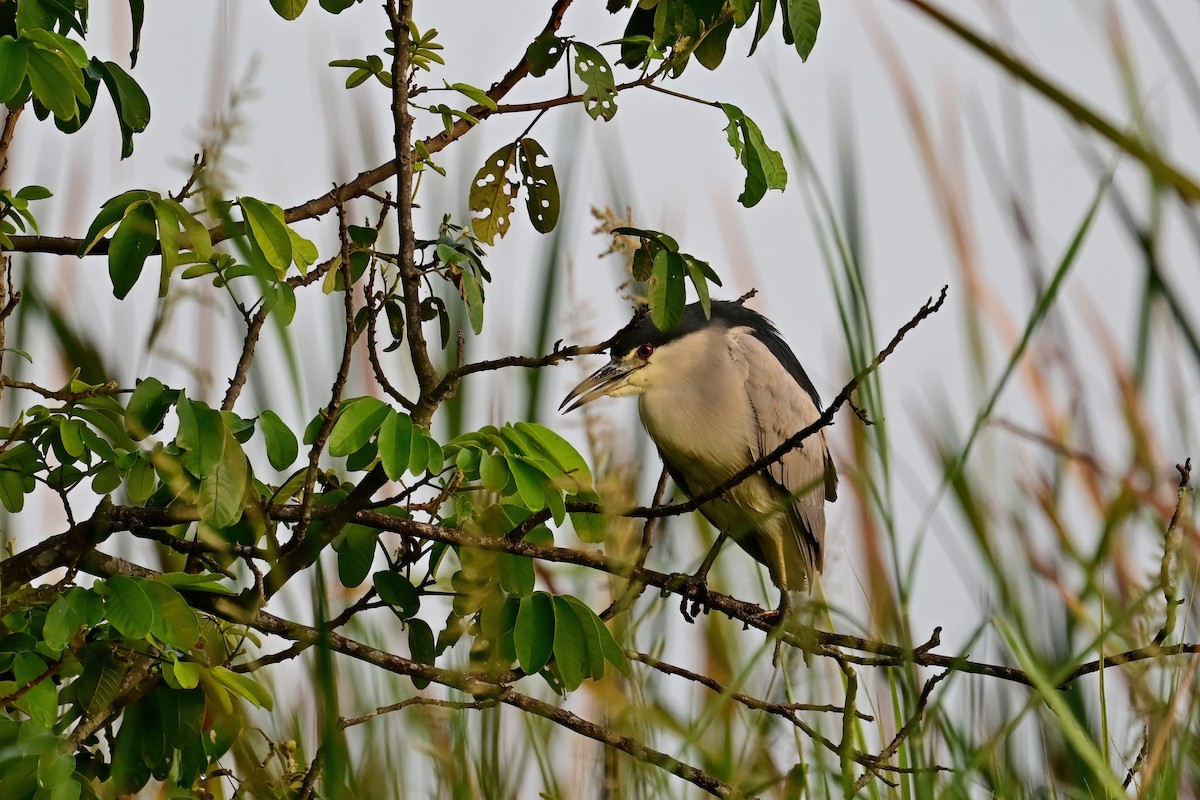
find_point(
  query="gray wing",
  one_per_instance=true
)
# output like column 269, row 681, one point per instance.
column 782, row 408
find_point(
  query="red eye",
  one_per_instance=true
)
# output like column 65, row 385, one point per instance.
column 645, row 351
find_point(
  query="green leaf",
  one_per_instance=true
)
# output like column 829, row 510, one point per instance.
column 529, row 481
column 40, row 699
column 112, row 212
column 282, row 447
column 354, row 559
column 197, row 236
column 140, row 481
column 133, row 107
column 129, row 607
column 131, row 244
column 14, row 56
column 600, row 90
column 643, row 262
column 517, row 576
column 742, row 9
column 267, row 229
column 147, row 408
column 12, row 491
column 711, row 50
column 570, row 645
column 421, row 646
column 766, row 15
column 479, row 96
column 544, row 53
column 73, row 611
column 472, row 292
column 590, row 528
column 101, row 680
column 493, row 471
column 541, row 187
column 418, row 458
column 168, row 237
column 137, row 14
column 71, row 436
column 186, row 673
column 174, row 620
column 395, row 444
column 558, row 450
column 764, row 166
column 492, row 194
column 591, row 626
column 533, row 635
column 222, row 495
column 398, row 592
column 699, row 278
column 668, row 294
column 243, row 686
column 57, row 82
column 54, row 770
column 201, row 436
column 803, row 19
column 34, row 192
column 304, row 252
column 357, row 421
column 289, row 9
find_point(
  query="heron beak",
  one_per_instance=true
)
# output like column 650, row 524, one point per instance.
column 604, row 381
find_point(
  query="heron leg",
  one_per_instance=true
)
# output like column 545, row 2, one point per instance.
column 694, row 588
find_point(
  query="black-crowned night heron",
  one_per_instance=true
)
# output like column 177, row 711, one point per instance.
column 715, row 394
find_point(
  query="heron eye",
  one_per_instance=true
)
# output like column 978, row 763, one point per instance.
column 645, row 351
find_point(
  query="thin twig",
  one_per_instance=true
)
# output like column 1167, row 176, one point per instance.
column 109, row 388
column 458, row 705
column 1171, row 544
column 240, row 372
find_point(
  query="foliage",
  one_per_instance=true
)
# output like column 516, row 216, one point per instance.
column 122, row 673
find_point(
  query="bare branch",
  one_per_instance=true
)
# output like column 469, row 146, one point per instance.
column 1171, row 544
column 240, row 372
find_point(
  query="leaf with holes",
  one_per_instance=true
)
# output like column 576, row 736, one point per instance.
column 600, row 90
column 764, row 166
column 492, row 194
column 541, row 187
column 544, row 53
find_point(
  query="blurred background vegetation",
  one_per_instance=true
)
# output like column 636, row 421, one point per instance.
column 1016, row 489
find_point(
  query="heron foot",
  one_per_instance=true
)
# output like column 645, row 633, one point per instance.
column 694, row 593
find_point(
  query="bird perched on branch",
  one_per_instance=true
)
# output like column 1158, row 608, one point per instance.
column 716, row 394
